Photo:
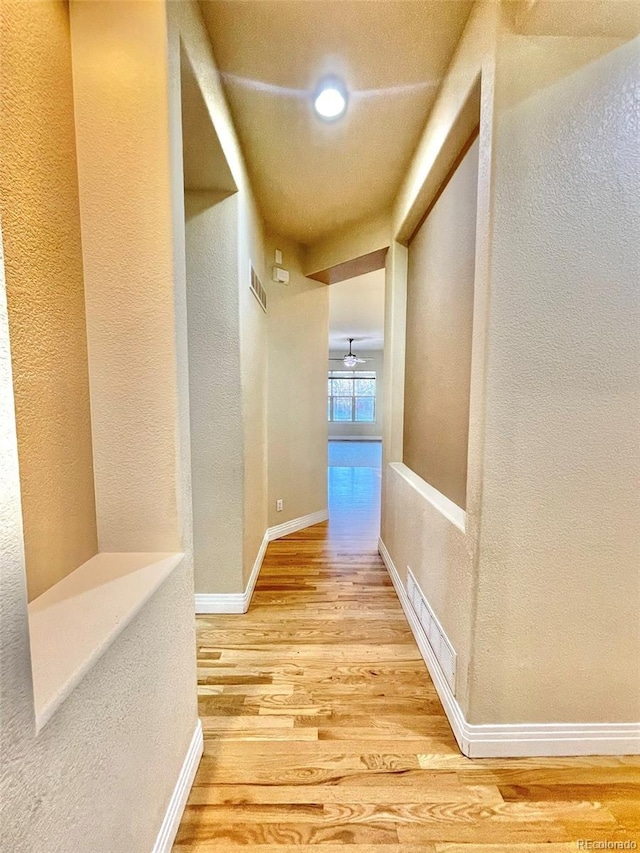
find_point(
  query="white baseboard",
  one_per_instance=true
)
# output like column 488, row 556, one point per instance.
column 297, row 524
column 220, row 602
column 515, row 740
column 355, row 438
column 173, row 815
column 233, row 602
column 238, row 602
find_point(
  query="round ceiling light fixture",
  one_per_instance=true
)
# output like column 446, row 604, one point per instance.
column 330, row 98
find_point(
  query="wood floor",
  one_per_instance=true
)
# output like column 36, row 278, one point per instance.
column 322, row 727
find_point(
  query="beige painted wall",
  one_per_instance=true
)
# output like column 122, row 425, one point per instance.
column 395, row 321
column 413, row 528
column 557, row 631
column 124, row 168
column 254, row 362
column 211, row 228
column 100, row 774
column 188, row 29
column 45, row 290
column 452, row 119
column 352, row 242
column 298, row 327
column 296, row 318
column 217, row 447
column 439, row 335
column 540, row 599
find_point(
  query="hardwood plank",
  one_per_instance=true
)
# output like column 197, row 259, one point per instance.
column 216, row 847
column 196, row 828
column 287, row 735
column 610, row 792
column 560, row 847
column 225, row 724
column 418, row 791
column 253, row 693
column 264, row 768
column 323, row 730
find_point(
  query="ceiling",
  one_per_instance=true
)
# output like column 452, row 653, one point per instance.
column 311, row 177
column 204, row 164
column 580, row 18
column 356, row 310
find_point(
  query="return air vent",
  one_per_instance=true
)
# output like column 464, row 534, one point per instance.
column 442, row 649
column 258, row 290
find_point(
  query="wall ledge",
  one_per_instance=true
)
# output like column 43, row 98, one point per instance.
column 451, row 511
column 73, row 624
column 238, row 602
column 513, row 740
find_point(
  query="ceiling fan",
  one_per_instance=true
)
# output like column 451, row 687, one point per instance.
column 350, row 359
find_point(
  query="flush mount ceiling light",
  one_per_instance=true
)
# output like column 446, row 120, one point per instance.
column 330, row 99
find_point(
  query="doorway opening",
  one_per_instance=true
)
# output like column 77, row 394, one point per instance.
column 355, row 469
column 355, row 406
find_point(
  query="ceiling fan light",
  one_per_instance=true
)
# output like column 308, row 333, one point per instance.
column 350, row 361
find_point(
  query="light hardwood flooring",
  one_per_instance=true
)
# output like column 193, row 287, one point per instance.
column 322, row 727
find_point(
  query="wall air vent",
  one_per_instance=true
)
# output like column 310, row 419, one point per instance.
column 258, row 290
column 442, row 649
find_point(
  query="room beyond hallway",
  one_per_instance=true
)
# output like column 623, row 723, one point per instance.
column 323, row 727
column 354, row 480
column 355, row 454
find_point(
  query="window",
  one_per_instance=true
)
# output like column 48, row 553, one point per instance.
column 352, row 396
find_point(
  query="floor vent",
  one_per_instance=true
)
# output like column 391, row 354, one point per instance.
column 258, row 290
column 438, row 640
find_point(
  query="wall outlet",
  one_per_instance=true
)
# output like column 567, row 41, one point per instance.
column 279, row 505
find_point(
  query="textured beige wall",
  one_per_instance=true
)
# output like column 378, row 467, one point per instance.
column 45, row 291
column 352, row 242
column 557, row 631
column 418, row 535
column 395, row 325
column 452, row 119
column 100, row 775
column 254, row 363
column 414, row 530
column 297, row 472
column 123, row 166
column 439, row 335
column 541, row 599
column 186, row 22
column 298, row 326
column 217, row 446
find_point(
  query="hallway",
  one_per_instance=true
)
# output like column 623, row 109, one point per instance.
column 322, row 727
column 242, row 244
